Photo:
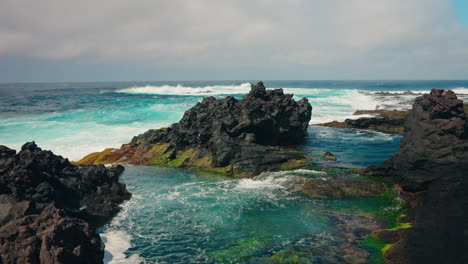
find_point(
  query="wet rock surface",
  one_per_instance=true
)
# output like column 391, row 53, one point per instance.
column 431, row 168
column 49, row 208
column 381, row 124
column 237, row 137
column 383, row 121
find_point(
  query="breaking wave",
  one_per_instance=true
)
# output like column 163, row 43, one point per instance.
column 184, row 90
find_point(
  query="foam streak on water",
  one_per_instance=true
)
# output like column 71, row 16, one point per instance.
column 178, row 216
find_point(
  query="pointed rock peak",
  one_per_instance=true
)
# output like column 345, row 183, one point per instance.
column 441, row 104
column 29, row 146
column 258, row 90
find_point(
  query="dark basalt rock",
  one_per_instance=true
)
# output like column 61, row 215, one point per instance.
column 385, row 124
column 236, row 135
column 265, row 117
column 49, row 208
column 387, row 121
column 431, row 168
column 435, row 144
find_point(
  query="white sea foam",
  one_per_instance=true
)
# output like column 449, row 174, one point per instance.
column 257, row 184
column 461, row 90
column 73, row 140
column 352, row 98
column 187, row 90
column 340, row 106
column 275, row 180
column 74, row 135
column 457, row 90
column 117, row 242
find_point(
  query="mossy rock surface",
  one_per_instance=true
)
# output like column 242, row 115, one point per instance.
column 328, row 155
column 109, row 155
column 342, row 187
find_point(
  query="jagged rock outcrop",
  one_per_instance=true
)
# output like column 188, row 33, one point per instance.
column 237, row 137
column 435, row 144
column 49, row 208
column 431, row 168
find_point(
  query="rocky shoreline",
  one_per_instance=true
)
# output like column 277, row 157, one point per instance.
column 238, row 138
column 50, row 209
column 386, row 121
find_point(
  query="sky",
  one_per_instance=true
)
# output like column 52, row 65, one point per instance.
column 145, row 40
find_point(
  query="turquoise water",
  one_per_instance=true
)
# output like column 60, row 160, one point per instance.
column 74, row 119
column 180, row 216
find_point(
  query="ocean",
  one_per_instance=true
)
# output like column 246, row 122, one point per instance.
column 184, row 216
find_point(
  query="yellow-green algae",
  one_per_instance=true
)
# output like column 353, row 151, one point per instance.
column 294, row 164
column 241, row 250
column 104, row 157
column 393, row 219
column 162, row 154
column 289, row 258
column 380, row 246
column 328, row 156
column 390, row 215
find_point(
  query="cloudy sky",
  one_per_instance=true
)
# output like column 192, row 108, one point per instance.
column 119, row 40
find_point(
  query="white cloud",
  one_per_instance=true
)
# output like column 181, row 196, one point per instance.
column 330, row 36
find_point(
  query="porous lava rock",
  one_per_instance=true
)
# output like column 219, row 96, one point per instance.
column 237, row 137
column 431, row 168
column 49, row 208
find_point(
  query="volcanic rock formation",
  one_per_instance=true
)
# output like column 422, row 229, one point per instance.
column 49, row 208
column 432, row 169
column 236, row 137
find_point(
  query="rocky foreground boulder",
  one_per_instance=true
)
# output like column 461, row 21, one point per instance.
column 236, row 137
column 431, row 169
column 49, row 208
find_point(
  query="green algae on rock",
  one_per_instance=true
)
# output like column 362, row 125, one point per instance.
column 239, row 138
column 107, row 156
column 430, row 171
column 328, row 155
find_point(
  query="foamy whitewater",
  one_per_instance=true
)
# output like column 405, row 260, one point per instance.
column 178, row 216
column 78, row 118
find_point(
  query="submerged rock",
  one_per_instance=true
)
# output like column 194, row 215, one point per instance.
column 49, row 208
column 328, row 155
column 235, row 137
column 341, row 187
column 431, row 168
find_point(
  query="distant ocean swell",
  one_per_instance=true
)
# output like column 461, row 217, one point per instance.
column 75, row 121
